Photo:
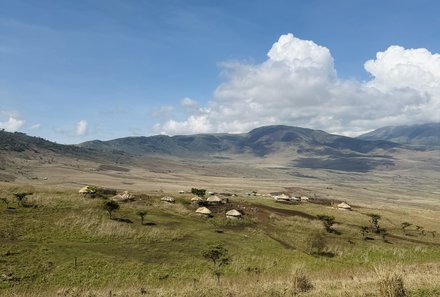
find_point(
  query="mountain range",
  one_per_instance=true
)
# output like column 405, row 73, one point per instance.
column 285, row 146
column 427, row 135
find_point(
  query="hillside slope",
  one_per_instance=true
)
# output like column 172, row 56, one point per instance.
column 260, row 141
column 418, row 135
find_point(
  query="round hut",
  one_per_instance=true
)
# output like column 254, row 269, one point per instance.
column 168, row 199
column 344, row 206
column 196, row 199
column 233, row 214
column 214, row 200
column 203, row 211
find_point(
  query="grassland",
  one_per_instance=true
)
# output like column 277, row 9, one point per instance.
column 63, row 244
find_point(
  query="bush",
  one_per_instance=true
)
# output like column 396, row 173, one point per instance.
column 300, row 281
column 390, row 282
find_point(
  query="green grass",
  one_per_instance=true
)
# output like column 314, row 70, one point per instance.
column 41, row 243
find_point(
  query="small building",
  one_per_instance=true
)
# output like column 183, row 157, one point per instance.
column 168, row 199
column 233, row 214
column 304, row 198
column 124, row 197
column 87, row 190
column 181, row 192
column 343, row 206
column 196, row 199
column 203, row 211
column 214, row 200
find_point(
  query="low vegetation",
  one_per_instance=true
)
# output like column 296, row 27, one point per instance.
column 71, row 245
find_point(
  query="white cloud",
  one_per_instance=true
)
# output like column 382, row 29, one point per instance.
column 12, row 124
column 35, row 126
column 298, row 85
column 81, row 128
column 188, row 102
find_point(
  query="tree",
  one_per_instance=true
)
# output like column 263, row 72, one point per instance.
column 5, row 201
column 328, row 222
column 405, row 225
column 142, row 214
column 364, row 231
column 375, row 222
column 21, row 197
column 421, row 230
column 110, row 206
column 219, row 257
column 198, row 192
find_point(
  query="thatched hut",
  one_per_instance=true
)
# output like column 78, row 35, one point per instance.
column 124, row 197
column 87, row 190
column 344, row 206
column 214, row 200
column 168, row 199
column 196, row 199
column 233, row 214
column 203, row 211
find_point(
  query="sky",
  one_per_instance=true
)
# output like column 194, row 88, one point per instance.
column 72, row 71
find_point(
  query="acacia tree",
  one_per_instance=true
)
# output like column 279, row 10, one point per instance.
column 405, row 225
column 219, row 257
column 21, row 197
column 110, row 206
column 374, row 219
column 328, row 222
column 198, row 192
column 142, row 214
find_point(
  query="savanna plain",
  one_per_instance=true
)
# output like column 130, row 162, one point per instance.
column 55, row 241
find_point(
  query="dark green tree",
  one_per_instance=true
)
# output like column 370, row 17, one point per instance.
column 198, row 192
column 328, row 222
column 142, row 214
column 21, row 197
column 219, row 257
column 110, row 206
column 374, row 219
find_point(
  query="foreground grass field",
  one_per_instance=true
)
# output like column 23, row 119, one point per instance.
column 63, row 244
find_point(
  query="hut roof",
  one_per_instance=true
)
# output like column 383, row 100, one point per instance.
column 283, row 196
column 168, row 199
column 196, row 198
column 214, row 199
column 203, row 210
column 234, row 213
column 344, row 205
column 126, row 196
column 87, row 189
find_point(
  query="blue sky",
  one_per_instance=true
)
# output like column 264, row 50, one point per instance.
column 72, row 71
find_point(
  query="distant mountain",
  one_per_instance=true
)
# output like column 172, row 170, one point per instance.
column 261, row 141
column 417, row 135
column 292, row 146
column 17, row 142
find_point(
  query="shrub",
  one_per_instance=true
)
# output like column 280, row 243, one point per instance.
column 300, row 282
column 328, row 222
column 390, row 282
column 110, row 206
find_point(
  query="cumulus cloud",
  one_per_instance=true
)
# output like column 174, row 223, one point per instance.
column 81, row 128
column 298, row 85
column 12, row 124
column 188, row 102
